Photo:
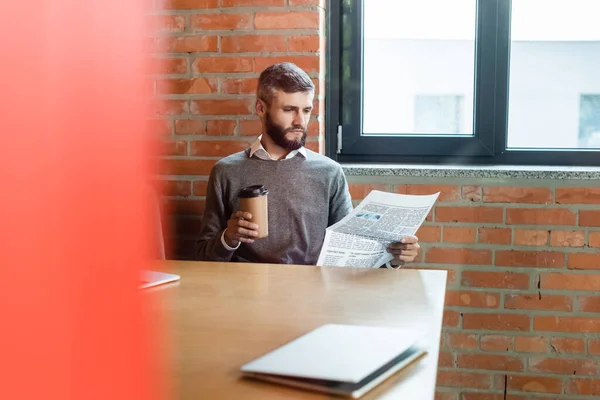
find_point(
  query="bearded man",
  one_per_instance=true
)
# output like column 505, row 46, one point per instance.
column 307, row 192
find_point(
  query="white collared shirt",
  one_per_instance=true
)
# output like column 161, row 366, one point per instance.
column 259, row 151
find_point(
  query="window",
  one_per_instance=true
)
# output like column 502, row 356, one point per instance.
column 438, row 114
column 464, row 81
column 589, row 121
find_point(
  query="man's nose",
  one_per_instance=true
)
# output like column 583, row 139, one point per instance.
column 300, row 119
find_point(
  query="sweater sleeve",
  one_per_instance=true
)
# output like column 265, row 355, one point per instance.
column 208, row 246
column 340, row 203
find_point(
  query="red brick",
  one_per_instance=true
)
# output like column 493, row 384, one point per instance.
column 540, row 216
column 589, row 387
column 221, row 21
column 200, row 188
column 185, row 167
column 589, row 218
column 429, row 234
column 188, row 44
column 568, row 345
column 517, row 194
column 465, row 298
column 359, row 191
column 221, row 107
column 217, row 148
column 188, row 4
column 451, row 318
column 160, row 127
column 221, row 127
column 306, row 2
column 240, row 85
column 173, row 147
column 186, row 207
column 578, row 195
column 250, row 127
column 563, row 366
column 461, row 341
column 445, row 359
column 495, row 235
column 317, row 147
column 463, row 379
column 167, row 23
column 314, row 128
column 489, row 361
column 170, row 107
column 169, row 66
column 562, row 281
column 294, row 3
column 499, row 280
column 534, row 302
column 594, row 347
column 304, row 43
column 531, row 344
column 190, row 127
column 496, row 343
column 494, row 396
column 252, row 3
column 176, row 188
column 594, row 239
column 584, row 261
column 459, row 234
column 537, row 259
column 252, row 43
column 469, row 214
column 538, row 384
column 567, row 238
column 530, row 237
column 186, row 86
column 471, row 193
column 447, row 192
column 307, row 63
column 496, row 322
column 222, row 64
column 589, row 304
column 287, row 20
column 567, row 324
column 437, row 255
column 445, row 396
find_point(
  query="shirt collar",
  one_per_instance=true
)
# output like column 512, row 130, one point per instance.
column 259, row 151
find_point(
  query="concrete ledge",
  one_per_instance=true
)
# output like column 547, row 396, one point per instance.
column 457, row 171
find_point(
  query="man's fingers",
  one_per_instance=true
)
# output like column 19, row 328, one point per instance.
column 241, row 214
column 409, row 239
column 396, row 247
column 241, row 232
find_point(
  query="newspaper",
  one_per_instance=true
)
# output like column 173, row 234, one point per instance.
column 362, row 237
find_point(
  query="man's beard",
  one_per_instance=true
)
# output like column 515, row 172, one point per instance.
column 277, row 133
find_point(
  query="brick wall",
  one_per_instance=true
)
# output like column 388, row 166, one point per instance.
column 523, row 255
column 208, row 55
column 524, row 280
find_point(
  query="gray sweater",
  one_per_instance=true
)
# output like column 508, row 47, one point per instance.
column 306, row 195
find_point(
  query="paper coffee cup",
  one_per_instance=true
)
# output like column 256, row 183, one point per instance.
column 253, row 199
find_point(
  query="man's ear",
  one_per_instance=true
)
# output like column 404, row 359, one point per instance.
column 261, row 108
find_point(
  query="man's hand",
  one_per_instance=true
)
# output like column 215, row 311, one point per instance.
column 239, row 229
column 404, row 251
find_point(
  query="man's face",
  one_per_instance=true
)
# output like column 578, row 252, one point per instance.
column 286, row 120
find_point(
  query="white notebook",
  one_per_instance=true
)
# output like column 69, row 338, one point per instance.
column 154, row 278
column 347, row 360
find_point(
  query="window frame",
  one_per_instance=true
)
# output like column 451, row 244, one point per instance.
column 488, row 144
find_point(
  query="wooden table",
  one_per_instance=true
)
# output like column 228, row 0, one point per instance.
column 222, row 315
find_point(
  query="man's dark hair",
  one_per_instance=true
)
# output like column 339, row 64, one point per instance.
column 286, row 77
